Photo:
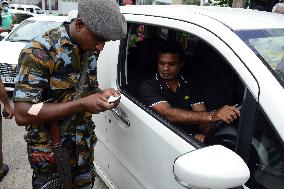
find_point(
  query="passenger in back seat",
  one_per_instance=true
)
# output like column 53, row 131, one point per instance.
column 169, row 94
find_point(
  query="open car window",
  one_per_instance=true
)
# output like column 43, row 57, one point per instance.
column 204, row 68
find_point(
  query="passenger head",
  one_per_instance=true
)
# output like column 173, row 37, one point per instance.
column 5, row 4
column 170, row 60
column 278, row 8
column 98, row 21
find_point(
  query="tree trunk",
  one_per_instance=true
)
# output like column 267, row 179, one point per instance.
column 238, row 3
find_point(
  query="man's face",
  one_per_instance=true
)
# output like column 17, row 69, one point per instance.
column 88, row 41
column 169, row 65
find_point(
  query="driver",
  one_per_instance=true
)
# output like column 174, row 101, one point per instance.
column 169, row 94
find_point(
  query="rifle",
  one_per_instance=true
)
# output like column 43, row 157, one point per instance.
column 61, row 156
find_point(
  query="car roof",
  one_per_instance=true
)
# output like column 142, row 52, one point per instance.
column 49, row 18
column 21, row 12
column 234, row 18
column 25, row 6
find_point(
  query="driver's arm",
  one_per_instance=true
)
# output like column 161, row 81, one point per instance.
column 199, row 115
column 181, row 116
column 150, row 94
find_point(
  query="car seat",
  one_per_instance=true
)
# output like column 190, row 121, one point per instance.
column 142, row 63
column 214, row 78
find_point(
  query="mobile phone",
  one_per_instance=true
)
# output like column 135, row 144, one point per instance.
column 112, row 99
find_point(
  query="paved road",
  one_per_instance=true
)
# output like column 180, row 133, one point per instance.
column 15, row 155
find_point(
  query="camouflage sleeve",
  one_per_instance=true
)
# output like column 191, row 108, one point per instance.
column 32, row 80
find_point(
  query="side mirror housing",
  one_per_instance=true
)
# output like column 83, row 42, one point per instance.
column 213, row 167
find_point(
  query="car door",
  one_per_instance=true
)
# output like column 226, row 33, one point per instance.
column 133, row 147
column 137, row 149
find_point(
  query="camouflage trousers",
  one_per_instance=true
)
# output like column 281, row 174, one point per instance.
column 83, row 172
column 42, row 180
column 83, row 179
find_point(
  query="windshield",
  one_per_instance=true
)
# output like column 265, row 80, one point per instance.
column 269, row 46
column 29, row 29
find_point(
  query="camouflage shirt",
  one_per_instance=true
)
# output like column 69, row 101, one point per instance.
column 49, row 70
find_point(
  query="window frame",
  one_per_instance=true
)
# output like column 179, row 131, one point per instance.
column 235, row 62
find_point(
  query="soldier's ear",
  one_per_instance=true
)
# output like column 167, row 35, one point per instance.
column 79, row 25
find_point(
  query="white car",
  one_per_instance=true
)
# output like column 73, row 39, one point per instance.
column 30, row 8
column 237, row 57
column 12, row 44
column 21, row 15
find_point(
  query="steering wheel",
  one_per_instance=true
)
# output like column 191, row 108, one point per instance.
column 223, row 134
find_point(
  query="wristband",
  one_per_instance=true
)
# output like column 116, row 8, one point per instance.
column 211, row 115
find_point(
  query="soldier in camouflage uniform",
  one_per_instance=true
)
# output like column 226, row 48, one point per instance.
column 50, row 67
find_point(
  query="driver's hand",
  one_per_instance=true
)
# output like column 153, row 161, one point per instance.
column 199, row 137
column 227, row 114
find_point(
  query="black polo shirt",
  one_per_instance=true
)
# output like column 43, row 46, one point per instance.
column 155, row 90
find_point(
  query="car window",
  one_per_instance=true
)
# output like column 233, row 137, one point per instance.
column 21, row 17
column 266, row 156
column 38, row 11
column 29, row 29
column 19, row 8
column 30, row 10
column 205, row 69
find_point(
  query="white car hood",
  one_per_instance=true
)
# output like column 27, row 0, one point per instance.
column 10, row 51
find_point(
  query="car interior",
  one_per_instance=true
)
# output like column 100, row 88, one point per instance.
column 219, row 85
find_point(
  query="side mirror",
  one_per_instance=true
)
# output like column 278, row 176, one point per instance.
column 3, row 34
column 211, row 167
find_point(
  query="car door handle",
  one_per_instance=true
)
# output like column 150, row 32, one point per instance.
column 122, row 115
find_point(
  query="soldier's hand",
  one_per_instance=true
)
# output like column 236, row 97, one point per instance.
column 98, row 102
column 227, row 114
column 10, row 111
